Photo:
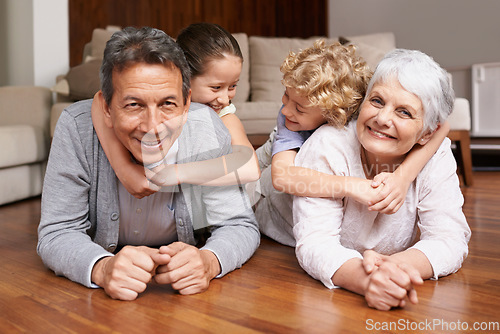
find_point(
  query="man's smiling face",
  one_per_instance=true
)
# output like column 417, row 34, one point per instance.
column 147, row 110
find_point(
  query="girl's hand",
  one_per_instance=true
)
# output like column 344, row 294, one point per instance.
column 393, row 188
column 164, row 175
column 137, row 184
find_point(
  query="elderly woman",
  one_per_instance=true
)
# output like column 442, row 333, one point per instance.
column 343, row 244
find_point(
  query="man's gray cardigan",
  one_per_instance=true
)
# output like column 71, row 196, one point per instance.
column 80, row 209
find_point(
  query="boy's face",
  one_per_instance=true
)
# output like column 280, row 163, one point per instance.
column 299, row 115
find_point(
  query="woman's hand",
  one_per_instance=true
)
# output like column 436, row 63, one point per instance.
column 390, row 283
column 392, row 192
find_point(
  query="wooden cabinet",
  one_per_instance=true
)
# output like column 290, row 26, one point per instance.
column 282, row 18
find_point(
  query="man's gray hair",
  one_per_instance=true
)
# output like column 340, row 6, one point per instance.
column 419, row 74
column 141, row 45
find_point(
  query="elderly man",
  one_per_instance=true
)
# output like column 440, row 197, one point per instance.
column 92, row 230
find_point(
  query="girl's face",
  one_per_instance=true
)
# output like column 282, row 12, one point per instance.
column 217, row 86
column 390, row 122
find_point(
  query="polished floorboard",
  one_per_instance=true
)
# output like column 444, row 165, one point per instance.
column 270, row 294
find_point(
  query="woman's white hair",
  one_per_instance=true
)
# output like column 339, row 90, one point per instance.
column 419, row 74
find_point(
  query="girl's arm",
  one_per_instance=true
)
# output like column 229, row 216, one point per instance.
column 130, row 174
column 395, row 185
column 240, row 166
column 243, row 159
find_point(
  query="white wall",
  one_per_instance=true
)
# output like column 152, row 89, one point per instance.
column 34, row 41
column 51, row 40
column 19, row 42
column 456, row 33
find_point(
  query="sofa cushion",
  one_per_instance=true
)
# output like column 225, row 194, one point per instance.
column 372, row 55
column 20, row 182
column 459, row 119
column 243, row 90
column 83, row 80
column 258, row 117
column 372, row 47
column 22, row 144
column 266, row 56
column 28, row 105
column 98, row 43
column 384, row 41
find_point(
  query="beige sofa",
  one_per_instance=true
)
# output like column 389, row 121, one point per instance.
column 24, row 138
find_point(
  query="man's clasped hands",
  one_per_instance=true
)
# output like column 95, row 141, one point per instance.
column 186, row 268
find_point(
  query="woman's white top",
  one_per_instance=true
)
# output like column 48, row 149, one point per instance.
column 329, row 231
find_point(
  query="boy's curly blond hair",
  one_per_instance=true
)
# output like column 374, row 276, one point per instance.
column 332, row 77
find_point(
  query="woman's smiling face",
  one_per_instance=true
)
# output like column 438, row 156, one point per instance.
column 390, row 122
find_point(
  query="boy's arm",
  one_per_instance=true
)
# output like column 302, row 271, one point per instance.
column 130, row 174
column 301, row 181
column 396, row 184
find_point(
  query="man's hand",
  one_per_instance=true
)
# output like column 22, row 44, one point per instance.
column 390, row 283
column 127, row 274
column 190, row 269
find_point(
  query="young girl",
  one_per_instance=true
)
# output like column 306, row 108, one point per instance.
column 215, row 60
column 325, row 84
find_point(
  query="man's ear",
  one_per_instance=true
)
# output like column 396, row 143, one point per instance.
column 99, row 105
column 427, row 136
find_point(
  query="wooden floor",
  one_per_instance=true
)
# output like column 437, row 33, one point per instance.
column 269, row 294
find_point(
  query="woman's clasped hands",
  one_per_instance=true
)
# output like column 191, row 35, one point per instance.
column 390, row 284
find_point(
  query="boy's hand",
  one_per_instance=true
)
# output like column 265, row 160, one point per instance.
column 393, row 188
column 362, row 191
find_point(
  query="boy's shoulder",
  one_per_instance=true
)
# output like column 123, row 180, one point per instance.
column 331, row 134
column 331, row 141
